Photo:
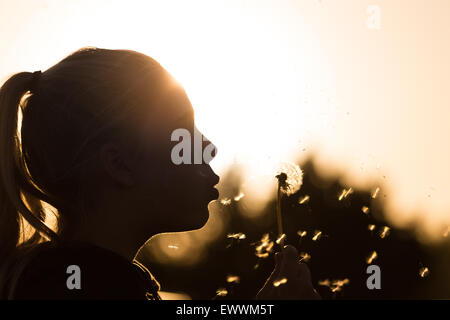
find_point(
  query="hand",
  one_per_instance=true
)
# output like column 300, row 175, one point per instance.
column 298, row 286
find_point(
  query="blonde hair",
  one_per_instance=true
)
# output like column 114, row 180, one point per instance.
column 90, row 96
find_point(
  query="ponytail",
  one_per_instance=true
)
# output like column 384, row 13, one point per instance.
column 20, row 198
column 68, row 110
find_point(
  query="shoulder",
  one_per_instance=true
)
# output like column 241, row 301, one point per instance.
column 77, row 271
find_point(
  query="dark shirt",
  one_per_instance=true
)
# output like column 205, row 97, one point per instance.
column 103, row 275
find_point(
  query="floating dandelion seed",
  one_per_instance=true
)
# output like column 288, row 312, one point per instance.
column 324, row 283
column 264, row 247
column 237, row 236
column 221, row 292
column 335, row 285
column 225, row 201
column 445, row 234
column 265, row 239
column 424, row 272
column 384, row 232
column 304, row 256
column 365, row 210
column 173, row 247
column 302, row 233
column 375, row 193
column 338, row 284
column 278, row 283
column 317, row 235
column 372, row 257
column 345, row 193
column 371, row 227
column 303, row 200
column 239, row 196
column 281, row 238
column 233, row 279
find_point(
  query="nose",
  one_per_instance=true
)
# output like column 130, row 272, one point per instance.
column 205, row 171
column 209, row 150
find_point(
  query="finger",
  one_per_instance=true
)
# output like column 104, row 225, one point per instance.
column 268, row 288
column 278, row 257
column 304, row 273
column 278, row 264
column 290, row 252
column 305, row 281
column 289, row 263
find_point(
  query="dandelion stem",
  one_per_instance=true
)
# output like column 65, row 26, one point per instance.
column 279, row 218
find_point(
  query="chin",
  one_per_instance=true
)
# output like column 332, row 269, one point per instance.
column 200, row 218
column 182, row 218
column 197, row 219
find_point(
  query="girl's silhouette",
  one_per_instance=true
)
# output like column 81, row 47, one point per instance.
column 91, row 137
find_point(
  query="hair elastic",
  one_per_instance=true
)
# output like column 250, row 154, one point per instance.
column 35, row 79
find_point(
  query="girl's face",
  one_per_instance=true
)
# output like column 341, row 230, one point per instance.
column 175, row 195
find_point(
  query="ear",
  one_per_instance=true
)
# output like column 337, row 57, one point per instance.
column 115, row 164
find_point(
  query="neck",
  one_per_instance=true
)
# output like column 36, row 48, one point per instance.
column 114, row 241
column 106, row 232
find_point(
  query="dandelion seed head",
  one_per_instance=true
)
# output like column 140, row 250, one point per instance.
column 371, row 257
column 371, row 227
column 365, row 210
column 282, row 177
column 290, row 177
column 278, row 283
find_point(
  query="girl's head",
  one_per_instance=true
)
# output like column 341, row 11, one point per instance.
column 93, row 140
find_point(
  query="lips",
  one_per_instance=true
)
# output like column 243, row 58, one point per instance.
column 213, row 194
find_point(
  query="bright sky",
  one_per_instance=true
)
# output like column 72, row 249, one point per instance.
column 270, row 79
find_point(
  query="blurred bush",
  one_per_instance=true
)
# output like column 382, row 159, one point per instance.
column 339, row 252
